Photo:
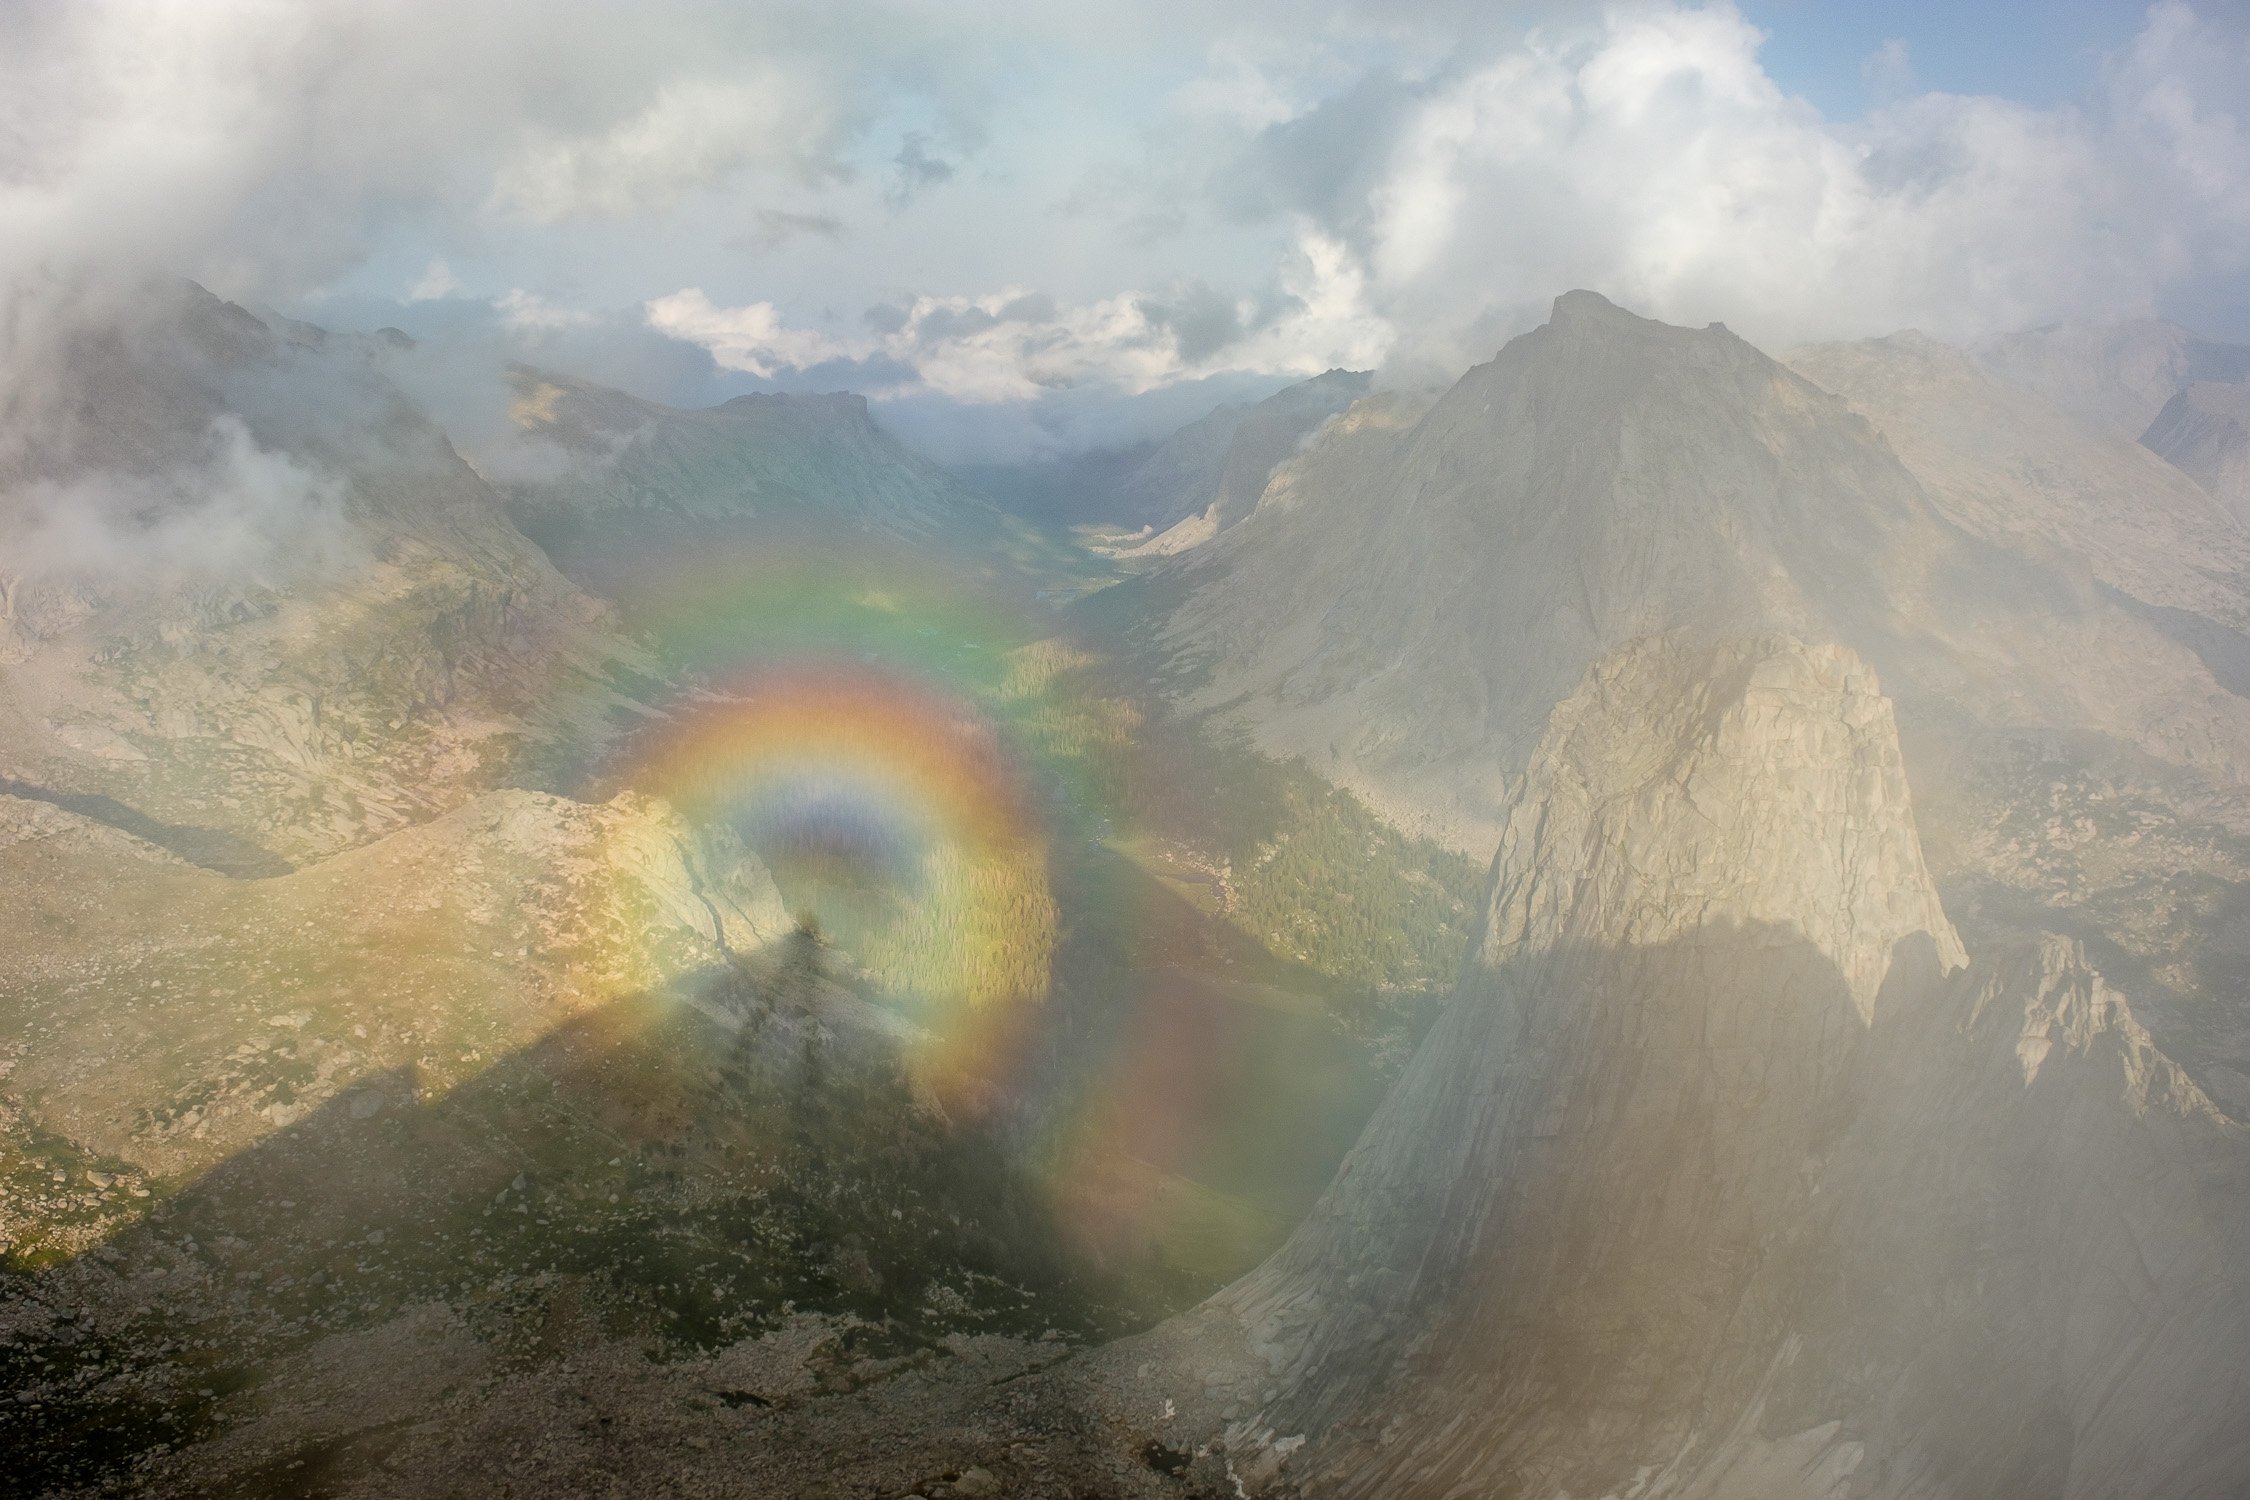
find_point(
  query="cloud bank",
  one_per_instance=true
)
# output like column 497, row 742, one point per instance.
column 1014, row 210
column 1645, row 153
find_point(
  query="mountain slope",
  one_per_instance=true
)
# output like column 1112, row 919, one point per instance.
column 780, row 457
column 1722, row 1176
column 250, row 590
column 2116, row 375
column 2204, row 432
column 2016, row 472
column 2063, row 830
column 1224, row 460
column 630, row 497
column 1405, row 608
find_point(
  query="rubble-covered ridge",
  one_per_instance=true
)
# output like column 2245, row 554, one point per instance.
column 2205, row 431
column 2069, row 1008
column 1756, row 782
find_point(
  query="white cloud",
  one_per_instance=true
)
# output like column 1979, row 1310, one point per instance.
column 1334, row 184
column 1018, row 345
column 436, row 282
column 752, row 339
column 1652, row 158
column 693, row 133
column 1888, row 71
column 1645, row 152
column 528, row 312
column 235, row 510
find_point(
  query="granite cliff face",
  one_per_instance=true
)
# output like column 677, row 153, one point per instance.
column 1670, row 793
column 1725, row 1175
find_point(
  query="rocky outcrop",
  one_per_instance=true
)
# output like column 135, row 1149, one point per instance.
column 1753, row 784
column 1722, row 1175
column 1542, row 1258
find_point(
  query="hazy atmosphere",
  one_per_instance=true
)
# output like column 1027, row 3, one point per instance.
column 1140, row 750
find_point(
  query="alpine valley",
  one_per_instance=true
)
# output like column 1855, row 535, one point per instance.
column 1666, row 919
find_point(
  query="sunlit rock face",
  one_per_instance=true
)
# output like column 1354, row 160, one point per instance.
column 1671, row 793
column 1723, row 1174
column 1544, row 1255
column 247, row 588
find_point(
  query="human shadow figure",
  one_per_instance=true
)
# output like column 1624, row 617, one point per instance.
column 644, row 1172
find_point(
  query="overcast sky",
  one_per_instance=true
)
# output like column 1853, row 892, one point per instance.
column 1021, row 224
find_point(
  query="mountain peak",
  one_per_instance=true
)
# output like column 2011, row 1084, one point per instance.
column 1580, row 305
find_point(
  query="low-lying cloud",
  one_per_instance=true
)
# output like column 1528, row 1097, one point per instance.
column 1017, row 344
column 236, row 511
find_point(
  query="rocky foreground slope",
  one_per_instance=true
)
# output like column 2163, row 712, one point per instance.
column 1728, row 1172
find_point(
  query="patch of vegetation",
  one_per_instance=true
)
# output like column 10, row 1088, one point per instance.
column 1332, row 885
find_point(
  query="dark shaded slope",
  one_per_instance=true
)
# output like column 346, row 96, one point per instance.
column 2204, row 431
